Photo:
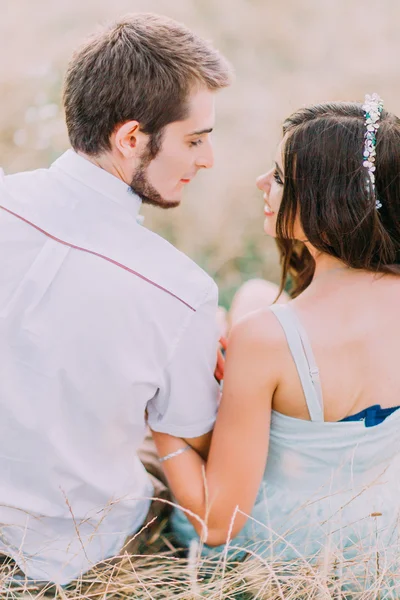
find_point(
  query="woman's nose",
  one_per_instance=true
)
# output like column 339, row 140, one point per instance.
column 262, row 182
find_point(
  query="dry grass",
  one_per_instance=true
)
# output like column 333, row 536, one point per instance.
column 165, row 577
column 172, row 574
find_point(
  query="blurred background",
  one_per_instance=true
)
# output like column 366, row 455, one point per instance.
column 286, row 54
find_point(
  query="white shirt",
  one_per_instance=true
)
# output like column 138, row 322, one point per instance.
column 99, row 319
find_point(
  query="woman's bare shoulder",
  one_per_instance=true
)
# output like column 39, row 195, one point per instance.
column 258, row 330
column 256, row 342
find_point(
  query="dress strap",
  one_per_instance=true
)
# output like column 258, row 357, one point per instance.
column 303, row 357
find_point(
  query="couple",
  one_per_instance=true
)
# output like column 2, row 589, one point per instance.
column 106, row 329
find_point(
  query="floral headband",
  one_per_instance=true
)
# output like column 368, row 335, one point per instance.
column 373, row 106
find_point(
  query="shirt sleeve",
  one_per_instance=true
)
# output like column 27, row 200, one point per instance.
column 187, row 400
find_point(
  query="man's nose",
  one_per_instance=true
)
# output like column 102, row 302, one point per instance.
column 206, row 159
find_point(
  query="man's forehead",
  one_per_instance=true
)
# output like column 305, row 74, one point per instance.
column 201, row 110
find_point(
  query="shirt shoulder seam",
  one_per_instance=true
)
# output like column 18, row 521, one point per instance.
column 99, row 255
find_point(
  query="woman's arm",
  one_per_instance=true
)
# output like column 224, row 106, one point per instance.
column 236, row 462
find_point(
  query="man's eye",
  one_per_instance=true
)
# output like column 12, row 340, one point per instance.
column 196, row 143
column 277, row 177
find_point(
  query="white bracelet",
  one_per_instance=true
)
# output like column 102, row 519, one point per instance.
column 173, row 454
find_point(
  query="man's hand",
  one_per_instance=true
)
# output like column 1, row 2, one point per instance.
column 219, row 369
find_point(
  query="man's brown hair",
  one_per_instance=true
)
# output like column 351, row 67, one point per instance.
column 141, row 68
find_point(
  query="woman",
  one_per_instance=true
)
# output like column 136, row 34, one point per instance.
column 307, row 439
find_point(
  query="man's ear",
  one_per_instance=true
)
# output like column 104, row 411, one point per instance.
column 128, row 139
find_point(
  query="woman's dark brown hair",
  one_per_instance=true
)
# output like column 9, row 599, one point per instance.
column 326, row 186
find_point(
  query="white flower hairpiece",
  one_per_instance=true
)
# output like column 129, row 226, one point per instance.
column 373, row 106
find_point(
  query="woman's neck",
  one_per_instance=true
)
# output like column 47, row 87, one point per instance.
column 325, row 264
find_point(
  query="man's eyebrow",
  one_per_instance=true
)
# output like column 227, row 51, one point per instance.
column 279, row 170
column 201, row 132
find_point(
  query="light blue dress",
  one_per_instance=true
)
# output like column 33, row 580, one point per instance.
column 330, row 491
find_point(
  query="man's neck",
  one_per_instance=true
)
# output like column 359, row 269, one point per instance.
column 107, row 163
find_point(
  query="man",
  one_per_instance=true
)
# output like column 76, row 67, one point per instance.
column 103, row 321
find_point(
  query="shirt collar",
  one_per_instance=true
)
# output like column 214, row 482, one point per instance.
column 98, row 179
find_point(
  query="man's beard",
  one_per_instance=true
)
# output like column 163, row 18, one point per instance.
column 140, row 184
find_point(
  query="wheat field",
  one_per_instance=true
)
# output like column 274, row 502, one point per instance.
column 285, row 55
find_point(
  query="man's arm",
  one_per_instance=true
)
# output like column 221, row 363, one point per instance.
column 201, row 444
column 186, row 403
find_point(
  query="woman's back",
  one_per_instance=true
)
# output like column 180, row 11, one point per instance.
column 352, row 321
column 332, row 486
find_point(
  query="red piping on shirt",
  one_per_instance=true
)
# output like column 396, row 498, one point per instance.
column 114, row 262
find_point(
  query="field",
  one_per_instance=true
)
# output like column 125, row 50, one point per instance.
column 285, row 55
